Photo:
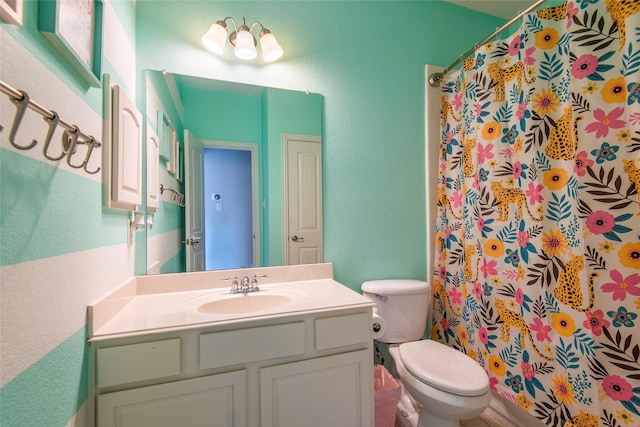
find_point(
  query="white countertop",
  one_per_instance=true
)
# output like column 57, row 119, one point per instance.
column 141, row 308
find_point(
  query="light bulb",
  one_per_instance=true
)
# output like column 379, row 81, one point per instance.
column 271, row 50
column 245, row 45
column 215, row 38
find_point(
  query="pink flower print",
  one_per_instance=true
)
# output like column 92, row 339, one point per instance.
column 522, row 109
column 443, row 273
column 617, row 388
column 584, row 66
column 621, row 286
column 541, row 330
column 480, row 224
column 449, row 137
column 444, row 323
column 456, row 199
column 485, row 152
column 582, row 162
column 572, row 11
column 527, row 371
column 489, row 267
column 519, row 296
column 533, row 193
column 600, row 222
column 523, row 239
column 605, row 121
column 528, row 56
column 493, row 382
column 596, row 321
column 483, row 335
column 456, row 296
column 477, row 290
column 457, row 101
column 634, row 119
column 514, row 46
column 517, row 170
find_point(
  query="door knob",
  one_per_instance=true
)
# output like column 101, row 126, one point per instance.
column 297, row 239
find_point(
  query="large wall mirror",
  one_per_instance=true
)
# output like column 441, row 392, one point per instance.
column 239, row 176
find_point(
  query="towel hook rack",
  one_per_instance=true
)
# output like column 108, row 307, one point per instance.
column 71, row 137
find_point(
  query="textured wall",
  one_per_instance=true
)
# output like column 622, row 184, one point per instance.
column 61, row 251
column 367, row 60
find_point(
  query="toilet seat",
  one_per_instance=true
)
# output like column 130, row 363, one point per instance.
column 444, row 368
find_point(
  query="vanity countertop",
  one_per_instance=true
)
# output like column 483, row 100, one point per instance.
column 170, row 302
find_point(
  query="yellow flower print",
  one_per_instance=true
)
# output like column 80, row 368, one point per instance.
column 506, row 61
column 497, row 366
column 637, row 303
column 539, row 210
column 510, row 181
column 472, row 354
column 624, row 416
column 563, row 324
column 546, row 101
column 494, row 248
column 491, row 130
column 547, row 38
column 517, row 146
column 523, row 402
column 590, row 88
column 493, row 163
column 562, row 389
column 624, row 135
column 554, row 243
column 463, row 335
column 607, row 246
column 488, row 46
column 495, row 281
column 629, row 255
column 465, row 291
column 555, row 178
column 615, row 90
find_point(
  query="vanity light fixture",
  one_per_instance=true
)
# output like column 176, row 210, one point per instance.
column 243, row 40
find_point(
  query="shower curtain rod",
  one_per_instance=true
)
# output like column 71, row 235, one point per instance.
column 436, row 78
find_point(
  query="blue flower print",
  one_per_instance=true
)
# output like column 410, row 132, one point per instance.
column 512, row 258
column 515, row 382
column 510, row 135
column 480, row 59
column 622, row 317
column 584, row 3
column 606, row 152
column 483, row 174
column 633, row 89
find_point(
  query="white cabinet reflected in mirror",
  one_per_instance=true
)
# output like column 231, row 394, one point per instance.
column 242, row 191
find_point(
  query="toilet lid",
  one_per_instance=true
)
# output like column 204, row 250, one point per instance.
column 444, row 368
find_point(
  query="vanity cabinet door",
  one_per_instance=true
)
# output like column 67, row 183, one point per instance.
column 212, row 401
column 326, row 391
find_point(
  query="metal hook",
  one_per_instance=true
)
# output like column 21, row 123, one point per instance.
column 70, row 140
column 52, row 128
column 91, row 144
column 21, row 107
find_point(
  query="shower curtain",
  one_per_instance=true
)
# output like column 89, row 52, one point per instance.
column 537, row 263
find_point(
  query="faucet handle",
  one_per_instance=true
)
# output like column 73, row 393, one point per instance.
column 234, row 283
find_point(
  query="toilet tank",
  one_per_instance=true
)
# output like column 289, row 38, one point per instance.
column 403, row 306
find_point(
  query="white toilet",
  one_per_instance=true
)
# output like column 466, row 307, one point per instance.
column 447, row 385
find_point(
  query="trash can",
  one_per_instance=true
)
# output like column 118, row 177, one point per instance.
column 387, row 396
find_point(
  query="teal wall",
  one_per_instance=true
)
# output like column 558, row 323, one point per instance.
column 365, row 57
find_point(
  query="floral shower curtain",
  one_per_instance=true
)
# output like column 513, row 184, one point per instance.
column 538, row 230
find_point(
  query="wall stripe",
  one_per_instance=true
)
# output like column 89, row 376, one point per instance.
column 44, row 302
column 50, row 391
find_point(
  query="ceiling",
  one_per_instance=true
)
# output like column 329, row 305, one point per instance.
column 505, row 9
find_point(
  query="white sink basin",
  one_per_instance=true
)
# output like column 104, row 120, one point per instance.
column 245, row 303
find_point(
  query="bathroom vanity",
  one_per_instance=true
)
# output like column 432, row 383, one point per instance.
column 179, row 350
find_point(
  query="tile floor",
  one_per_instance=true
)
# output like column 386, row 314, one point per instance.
column 484, row 420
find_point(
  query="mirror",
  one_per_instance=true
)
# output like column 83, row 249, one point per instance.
column 251, row 135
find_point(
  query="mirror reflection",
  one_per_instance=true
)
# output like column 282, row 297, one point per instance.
column 247, row 160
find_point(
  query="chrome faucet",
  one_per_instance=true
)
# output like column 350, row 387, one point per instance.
column 245, row 285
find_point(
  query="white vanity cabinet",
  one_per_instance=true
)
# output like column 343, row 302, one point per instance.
column 313, row 369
